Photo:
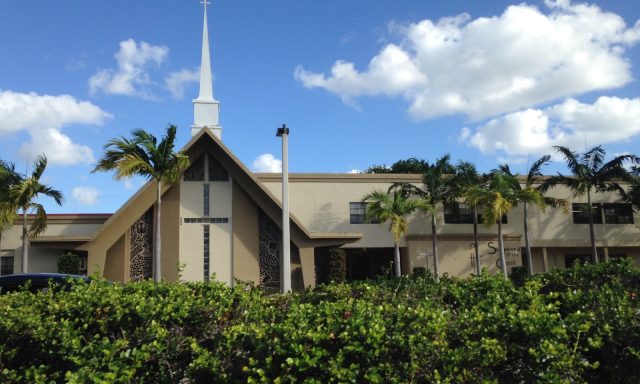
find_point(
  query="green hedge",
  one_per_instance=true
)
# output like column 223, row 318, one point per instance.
column 573, row 326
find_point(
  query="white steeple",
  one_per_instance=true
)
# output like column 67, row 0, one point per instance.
column 205, row 108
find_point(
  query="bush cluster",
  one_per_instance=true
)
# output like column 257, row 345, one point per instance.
column 572, row 326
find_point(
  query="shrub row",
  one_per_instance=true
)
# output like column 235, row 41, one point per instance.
column 577, row 325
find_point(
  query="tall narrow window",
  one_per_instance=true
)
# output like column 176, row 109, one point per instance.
column 216, row 170
column 196, row 171
column 6, row 265
column 205, row 198
column 206, row 252
column 357, row 212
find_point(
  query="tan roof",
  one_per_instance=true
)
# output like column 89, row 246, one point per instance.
column 247, row 180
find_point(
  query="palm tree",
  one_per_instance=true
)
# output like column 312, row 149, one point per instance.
column 437, row 190
column 142, row 155
column 393, row 207
column 534, row 184
column 590, row 173
column 497, row 198
column 465, row 177
column 8, row 211
column 22, row 195
column 633, row 196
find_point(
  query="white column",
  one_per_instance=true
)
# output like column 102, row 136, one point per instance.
column 286, row 242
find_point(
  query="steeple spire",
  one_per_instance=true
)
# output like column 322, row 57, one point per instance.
column 205, row 107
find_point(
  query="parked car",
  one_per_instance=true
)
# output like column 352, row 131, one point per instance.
column 38, row 282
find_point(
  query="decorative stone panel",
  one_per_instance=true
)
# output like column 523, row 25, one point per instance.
column 270, row 237
column 141, row 254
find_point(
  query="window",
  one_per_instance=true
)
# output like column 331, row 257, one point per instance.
column 358, row 213
column 195, row 172
column 618, row 214
column 581, row 216
column 216, row 170
column 6, row 265
column 83, row 264
column 205, row 200
column 206, row 252
column 460, row 213
column 613, row 213
column 206, row 220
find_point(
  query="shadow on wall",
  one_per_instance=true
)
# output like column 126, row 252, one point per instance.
column 325, row 220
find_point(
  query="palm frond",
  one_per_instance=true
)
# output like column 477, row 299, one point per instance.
column 571, row 159
column 39, row 221
column 535, row 171
column 39, row 166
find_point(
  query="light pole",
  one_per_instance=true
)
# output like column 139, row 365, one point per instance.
column 286, row 243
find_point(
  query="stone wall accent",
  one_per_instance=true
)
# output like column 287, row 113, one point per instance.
column 141, row 254
column 270, row 238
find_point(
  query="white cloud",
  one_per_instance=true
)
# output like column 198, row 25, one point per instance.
column 266, row 163
column 58, row 148
column 177, row 81
column 355, row 171
column 85, row 195
column 43, row 117
column 571, row 123
column 492, row 65
column 132, row 77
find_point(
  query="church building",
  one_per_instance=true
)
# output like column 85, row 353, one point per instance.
column 221, row 221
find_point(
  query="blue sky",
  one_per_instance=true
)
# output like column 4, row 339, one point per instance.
column 359, row 82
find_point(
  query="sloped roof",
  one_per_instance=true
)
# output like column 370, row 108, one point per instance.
column 250, row 183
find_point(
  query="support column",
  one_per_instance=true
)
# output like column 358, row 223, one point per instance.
column 545, row 260
column 308, row 267
column 606, row 253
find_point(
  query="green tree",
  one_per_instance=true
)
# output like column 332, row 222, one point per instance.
column 590, row 173
column 410, row 165
column 497, row 198
column 69, row 263
column 142, row 155
column 8, row 210
column 437, row 190
column 633, row 194
column 23, row 195
column 393, row 207
column 534, row 184
column 466, row 176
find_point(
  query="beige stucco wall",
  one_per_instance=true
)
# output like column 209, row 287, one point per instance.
column 169, row 234
column 117, row 225
column 456, row 256
column 246, row 242
column 321, row 202
column 115, row 268
column 44, row 257
column 192, row 234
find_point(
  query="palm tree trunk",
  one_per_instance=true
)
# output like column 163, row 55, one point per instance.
column 157, row 270
column 592, row 235
column 396, row 260
column 503, row 261
column 434, row 242
column 476, row 244
column 25, row 242
column 527, row 246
